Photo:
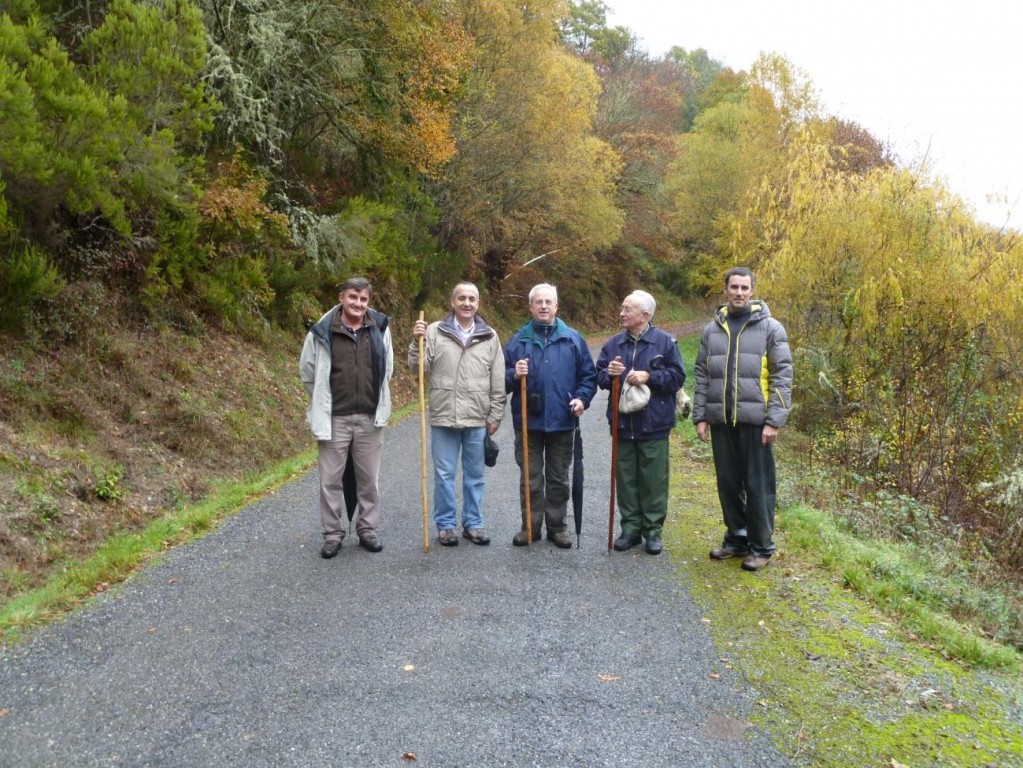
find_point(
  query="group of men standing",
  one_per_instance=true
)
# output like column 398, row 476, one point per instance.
column 741, row 399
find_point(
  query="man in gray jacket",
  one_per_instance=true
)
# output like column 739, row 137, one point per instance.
column 742, row 398
column 464, row 362
column 346, row 367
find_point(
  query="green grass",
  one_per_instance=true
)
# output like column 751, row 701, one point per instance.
column 848, row 645
column 846, row 663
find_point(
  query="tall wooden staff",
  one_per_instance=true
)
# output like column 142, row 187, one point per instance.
column 525, row 461
column 615, row 386
column 422, row 436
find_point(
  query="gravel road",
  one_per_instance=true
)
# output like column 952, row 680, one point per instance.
column 248, row 649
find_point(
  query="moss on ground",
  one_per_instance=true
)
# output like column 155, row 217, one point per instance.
column 836, row 682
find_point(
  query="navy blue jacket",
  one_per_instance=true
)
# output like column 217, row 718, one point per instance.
column 655, row 352
column 560, row 369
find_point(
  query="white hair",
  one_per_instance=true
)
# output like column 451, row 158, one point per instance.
column 645, row 301
column 543, row 287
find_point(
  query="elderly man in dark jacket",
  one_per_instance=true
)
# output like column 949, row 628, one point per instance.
column 560, row 381
column 647, row 356
column 742, row 398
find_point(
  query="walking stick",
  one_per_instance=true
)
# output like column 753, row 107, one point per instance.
column 525, row 461
column 615, row 384
column 422, row 437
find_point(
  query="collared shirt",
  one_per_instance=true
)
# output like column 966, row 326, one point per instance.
column 464, row 334
column 637, row 337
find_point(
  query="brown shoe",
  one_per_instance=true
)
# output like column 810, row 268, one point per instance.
column 754, row 563
column 723, row 553
column 476, row 536
column 448, row 538
column 330, row 549
column 561, row 540
column 370, row 541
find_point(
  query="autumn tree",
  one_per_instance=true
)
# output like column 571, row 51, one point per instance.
column 895, row 299
column 529, row 177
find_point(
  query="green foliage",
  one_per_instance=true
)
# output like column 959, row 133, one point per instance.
column 151, row 56
column 26, row 277
column 368, row 238
column 107, row 483
column 61, row 139
column 585, row 28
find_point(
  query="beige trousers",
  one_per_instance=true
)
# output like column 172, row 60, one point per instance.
column 357, row 434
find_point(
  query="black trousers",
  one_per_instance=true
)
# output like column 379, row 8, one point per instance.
column 746, row 486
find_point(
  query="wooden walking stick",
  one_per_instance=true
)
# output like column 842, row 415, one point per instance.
column 615, row 385
column 422, row 438
column 525, row 460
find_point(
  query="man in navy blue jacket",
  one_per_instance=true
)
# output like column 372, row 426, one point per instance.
column 645, row 356
column 560, row 382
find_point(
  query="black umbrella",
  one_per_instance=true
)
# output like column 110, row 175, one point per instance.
column 577, row 482
column 348, row 488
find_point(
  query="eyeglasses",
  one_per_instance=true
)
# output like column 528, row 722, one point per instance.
column 629, row 310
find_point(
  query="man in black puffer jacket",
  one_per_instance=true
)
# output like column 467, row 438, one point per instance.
column 742, row 398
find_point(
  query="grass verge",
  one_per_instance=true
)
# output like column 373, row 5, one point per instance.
column 847, row 666
column 122, row 554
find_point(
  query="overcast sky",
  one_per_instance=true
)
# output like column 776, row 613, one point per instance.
column 937, row 79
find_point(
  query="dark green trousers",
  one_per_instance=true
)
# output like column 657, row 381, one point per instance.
column 642, row 479
column 746, row 486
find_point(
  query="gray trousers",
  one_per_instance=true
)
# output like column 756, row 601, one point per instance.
column 550, row 457
column 357, row 434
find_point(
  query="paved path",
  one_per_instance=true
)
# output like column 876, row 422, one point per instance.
column 248, row 649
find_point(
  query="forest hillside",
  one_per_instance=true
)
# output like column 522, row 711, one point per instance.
column 185, row 183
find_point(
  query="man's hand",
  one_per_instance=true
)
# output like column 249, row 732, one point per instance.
column 770, row 434
column 419, row 329
column 703, row 430
column 522, row 368
column 575, row 405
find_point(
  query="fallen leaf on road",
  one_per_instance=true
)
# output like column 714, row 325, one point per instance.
column 408, row 756
column 714, row 676
column 705, row 620
column 608, row 678
column 5, row 712
column 409, row 667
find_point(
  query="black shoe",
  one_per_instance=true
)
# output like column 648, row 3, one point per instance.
column 369, row 541
column 627, row 541
column 654, row 546
column 330, row 549
column 521, row 540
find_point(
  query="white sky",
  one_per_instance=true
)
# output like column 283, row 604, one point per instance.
column 935, row 78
